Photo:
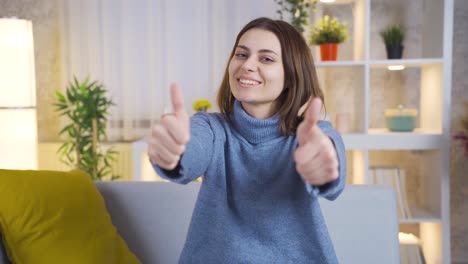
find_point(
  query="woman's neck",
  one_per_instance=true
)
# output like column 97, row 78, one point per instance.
column 254, row 130
column 259, row 111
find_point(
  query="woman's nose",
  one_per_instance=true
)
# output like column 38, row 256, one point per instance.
column 249, row 64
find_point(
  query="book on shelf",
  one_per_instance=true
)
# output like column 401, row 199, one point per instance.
column 410, row 249
column 395, row 178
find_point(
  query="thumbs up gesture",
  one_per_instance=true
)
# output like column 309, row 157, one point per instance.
column 169, row 137
column 315, row 157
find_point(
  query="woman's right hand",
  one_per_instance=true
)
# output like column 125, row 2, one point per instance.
column 170, row 136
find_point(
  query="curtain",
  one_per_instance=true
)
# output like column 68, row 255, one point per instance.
column 136, row 48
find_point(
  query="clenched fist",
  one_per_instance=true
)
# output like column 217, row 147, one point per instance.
column 315, row 157
column 169, row 137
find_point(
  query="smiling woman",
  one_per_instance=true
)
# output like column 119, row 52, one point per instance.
column 263, row 166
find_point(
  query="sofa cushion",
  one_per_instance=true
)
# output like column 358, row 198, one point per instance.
column 57, row 217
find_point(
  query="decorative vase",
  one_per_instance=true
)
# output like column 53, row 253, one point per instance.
column 328, row 51
column 394, row 52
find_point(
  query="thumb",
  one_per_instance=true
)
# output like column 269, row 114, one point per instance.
column 311, row 117
column 177, row 100
column 312, row 114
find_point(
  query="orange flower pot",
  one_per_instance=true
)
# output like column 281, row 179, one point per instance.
column 328, row 51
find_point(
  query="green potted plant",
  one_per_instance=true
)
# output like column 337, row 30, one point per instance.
column 86, row 106
column 328, row 33
column 393, row 36
column 298, row 11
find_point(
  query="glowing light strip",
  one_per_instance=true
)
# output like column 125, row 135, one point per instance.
column 398, row 67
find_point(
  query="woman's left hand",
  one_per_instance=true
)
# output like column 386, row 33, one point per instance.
column 316, row 158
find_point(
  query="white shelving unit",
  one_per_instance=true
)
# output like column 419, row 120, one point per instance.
column 359, row 85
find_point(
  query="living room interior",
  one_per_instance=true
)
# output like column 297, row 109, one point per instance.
column 135, row 49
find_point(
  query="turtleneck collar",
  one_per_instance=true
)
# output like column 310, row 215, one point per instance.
column 254, row 130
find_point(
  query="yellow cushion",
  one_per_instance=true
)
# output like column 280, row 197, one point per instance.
column 57, row 217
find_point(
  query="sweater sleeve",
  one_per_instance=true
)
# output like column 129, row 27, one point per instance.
column 198, row 152
column 332, row 189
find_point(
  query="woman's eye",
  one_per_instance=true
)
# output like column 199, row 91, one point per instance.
column 267, row 59
column 241, row 55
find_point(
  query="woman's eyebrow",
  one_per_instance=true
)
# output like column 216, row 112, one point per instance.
column 243, row 47
column 260, row 51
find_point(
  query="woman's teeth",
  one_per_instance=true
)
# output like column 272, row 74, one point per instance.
column 250, row 82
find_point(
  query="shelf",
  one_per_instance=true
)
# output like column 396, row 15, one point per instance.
column 420, row 216
column 323, row 64
column 382, row 139
column 338, row 2
column 381, row 63
column 358, row 88
column 405, row 62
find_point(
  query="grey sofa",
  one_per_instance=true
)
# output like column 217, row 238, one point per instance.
column 153, row 218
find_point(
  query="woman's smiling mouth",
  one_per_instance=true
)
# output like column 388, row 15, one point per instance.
column 248, row 82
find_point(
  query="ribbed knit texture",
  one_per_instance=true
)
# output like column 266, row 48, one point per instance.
column 253, row 206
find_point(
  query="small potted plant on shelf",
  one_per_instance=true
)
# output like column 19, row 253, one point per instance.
column 86, row 106
column 393, row 36
column 328, row 33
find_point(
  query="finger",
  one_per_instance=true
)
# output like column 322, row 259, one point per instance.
column 323, row 160
column 314, row 144
column 162, row 163
column 319, row 176
column 164, row 154
column 158, row 155
column 178, row 131
column 306, row 153
column 177, row 100
column 162, row 137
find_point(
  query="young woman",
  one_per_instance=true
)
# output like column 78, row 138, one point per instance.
column 264, row 162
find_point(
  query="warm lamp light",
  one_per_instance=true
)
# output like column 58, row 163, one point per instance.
column 396, row 67
column 18, row 133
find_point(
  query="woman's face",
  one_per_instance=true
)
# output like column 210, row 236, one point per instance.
column 256, row 74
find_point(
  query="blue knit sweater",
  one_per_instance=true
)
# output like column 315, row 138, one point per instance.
column 253, row 206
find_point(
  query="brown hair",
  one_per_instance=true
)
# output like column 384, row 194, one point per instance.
column 300, row 77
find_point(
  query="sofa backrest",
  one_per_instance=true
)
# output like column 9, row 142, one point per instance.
column 153, row 218
column 363, row 224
